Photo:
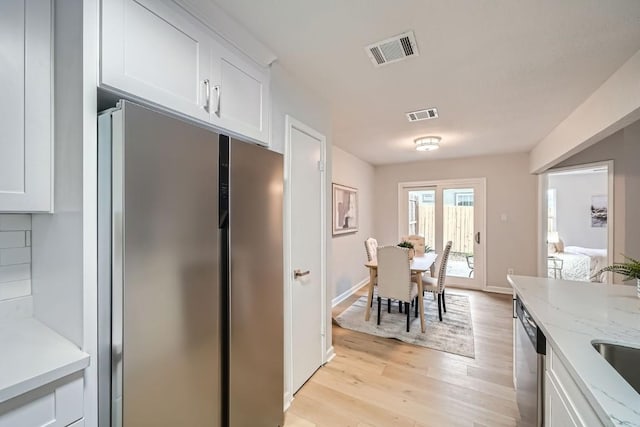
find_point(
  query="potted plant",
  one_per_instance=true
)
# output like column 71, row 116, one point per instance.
column 630, row 269
column 409, row 245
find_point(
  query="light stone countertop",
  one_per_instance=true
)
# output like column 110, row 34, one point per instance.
column 32, row 355
column 571, row 315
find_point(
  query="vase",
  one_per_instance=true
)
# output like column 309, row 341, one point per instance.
column 638, row 287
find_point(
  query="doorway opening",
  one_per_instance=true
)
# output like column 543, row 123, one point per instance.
column 577, row 222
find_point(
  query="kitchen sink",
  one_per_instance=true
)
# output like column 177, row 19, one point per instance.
column 625, row 360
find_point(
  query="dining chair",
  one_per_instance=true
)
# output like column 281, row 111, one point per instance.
column 418, row 243
column 394, row 280
column 436, row 285
column 470, row 264
column 371, row 246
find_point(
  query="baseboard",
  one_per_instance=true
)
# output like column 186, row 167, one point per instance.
column 329, row 355
column 346, row 294
column 500, row 290
column 287, row 400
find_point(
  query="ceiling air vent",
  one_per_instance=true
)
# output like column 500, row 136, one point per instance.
column 393, row 49
column 429, row 113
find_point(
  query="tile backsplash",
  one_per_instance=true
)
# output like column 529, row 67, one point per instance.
column 15, row 255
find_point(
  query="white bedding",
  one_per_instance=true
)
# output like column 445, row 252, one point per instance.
column 582, row 263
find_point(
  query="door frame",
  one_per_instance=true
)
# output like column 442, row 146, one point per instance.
column 482, row 186
column 543, row 185
column 290, row 124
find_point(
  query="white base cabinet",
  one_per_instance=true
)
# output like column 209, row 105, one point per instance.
column 565, row 405
column 59, row 404
column 557, row 412
column 156, row 51
column 26, row 46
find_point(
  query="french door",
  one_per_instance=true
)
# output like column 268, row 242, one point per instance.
column 442, row 211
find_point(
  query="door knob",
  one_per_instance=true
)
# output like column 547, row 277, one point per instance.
column 300, row 273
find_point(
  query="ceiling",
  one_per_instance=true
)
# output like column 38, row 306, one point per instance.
column 502, row 73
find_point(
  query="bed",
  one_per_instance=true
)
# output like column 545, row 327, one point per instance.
column 582, row 264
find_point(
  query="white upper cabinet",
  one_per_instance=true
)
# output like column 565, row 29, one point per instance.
column 156, row 51
column 240, row 95
column 26, row 109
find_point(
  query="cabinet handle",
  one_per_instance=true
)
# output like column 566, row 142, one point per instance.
column 217, row 89
column 207, row 88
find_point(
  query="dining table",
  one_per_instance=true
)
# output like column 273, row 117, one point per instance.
column 418, row 265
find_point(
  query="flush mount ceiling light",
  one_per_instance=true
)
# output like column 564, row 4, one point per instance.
column 427, row 143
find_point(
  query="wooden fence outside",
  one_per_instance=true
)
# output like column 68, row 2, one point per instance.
column 458, row 226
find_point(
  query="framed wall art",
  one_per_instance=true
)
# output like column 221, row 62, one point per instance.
column 599, row 213
column 345, row 209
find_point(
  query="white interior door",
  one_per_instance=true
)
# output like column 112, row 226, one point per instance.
column 306, row 224
column 448, row 211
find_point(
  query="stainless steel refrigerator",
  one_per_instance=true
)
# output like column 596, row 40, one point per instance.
column 190, row 286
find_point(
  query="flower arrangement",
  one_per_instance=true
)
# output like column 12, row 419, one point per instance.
column 405, row 244
column 408, row 245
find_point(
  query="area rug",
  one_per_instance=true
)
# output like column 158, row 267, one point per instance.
column 453, row 335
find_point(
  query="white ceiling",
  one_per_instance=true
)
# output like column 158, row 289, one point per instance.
column 502, row 73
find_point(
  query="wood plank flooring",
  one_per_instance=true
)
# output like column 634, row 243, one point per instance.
column 374, row 381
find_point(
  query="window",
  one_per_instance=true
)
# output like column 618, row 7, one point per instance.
column 464, row 199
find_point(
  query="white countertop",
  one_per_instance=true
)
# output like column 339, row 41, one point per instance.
column 32, row 355
column 571, row 315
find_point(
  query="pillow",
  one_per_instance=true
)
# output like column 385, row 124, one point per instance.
column 559, row 246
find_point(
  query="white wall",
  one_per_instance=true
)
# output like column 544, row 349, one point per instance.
column 57, row 243
column 623, row 148
column 573, row 212
column 290, row 97
column 511, row 190
column 611, row 107
column 348, row 249
column 15, row 256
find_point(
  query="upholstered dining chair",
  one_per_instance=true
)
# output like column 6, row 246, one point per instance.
column 436, row 285
column 371, row 246
column 394, row 280
column 418, row 243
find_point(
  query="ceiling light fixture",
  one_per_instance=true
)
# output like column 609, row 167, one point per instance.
column 427, row 143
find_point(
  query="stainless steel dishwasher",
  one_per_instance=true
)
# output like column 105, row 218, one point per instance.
column 530, row 364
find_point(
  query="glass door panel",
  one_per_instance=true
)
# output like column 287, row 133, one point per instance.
column 458, row 226
column 421, row 215
column 442, row 211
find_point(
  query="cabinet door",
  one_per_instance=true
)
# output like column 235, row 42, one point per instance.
column 241, row 95
column 154, row 50
column 59, row 404
column 556, row 411
column 26, row 107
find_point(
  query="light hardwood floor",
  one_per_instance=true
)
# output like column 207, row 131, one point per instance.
column 382, row 382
